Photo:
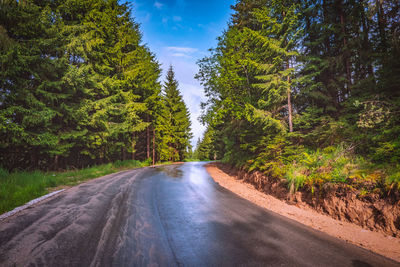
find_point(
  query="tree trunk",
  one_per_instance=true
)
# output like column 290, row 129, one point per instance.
column 366, row 45
column 133, row 145
column 102, row 154
column 56, row 157
column 289, row 100
column 123, row 152
column 34, row 160
column 381, row 24
column 148, row 137
column 288, row 92
column 345, row 52
column 154, row 146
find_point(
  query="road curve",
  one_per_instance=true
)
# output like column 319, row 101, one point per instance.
column 167, row 216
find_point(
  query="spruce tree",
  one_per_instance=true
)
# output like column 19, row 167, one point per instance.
column 77, row 86
column 177, row 133
column 36, row 98
column 106, row 41
column 276, row 43
column 331, row 57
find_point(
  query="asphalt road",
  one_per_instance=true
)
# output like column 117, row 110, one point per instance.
column 167, row 216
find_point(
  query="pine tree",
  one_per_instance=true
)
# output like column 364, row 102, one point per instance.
column 106, row 41
column 176, row 121
column 77, row 87
column 330, row 57
column 205, row 147
column 36, row 98
column 277, row 41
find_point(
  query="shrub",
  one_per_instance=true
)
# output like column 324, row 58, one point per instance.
column 393, row 181
column 314, row 168
column 295, row 177
column 388, row 152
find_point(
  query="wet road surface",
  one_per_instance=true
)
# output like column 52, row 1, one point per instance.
column 167, row 216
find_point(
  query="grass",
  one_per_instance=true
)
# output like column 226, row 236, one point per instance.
column 338, row 165
column 393, row 180
column 196, row 160
column 17, row 188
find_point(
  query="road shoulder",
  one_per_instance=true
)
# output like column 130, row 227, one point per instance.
column 374, row 241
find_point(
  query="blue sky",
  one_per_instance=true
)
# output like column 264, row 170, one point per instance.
column 180, row 32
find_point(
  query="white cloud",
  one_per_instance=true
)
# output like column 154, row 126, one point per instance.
column 177, row 18
column 158, row 5
column 184, row 50
column 179, row 55
column 193, row 95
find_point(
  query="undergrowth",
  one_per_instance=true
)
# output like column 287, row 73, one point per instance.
column 19, row 187
column 312, row 169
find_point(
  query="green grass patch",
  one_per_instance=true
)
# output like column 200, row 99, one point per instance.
column 393, row 180
column 196, row 160
column 18, row 188
column 313, row 169
column 339, row 165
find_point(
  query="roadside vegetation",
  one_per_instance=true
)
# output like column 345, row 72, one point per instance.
column 79, row 91
column 79, row 88
column 19, row 187
column 307, row 92
column 312, row 169
column 338, row 165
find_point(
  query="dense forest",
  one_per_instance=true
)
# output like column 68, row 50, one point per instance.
column 307, row 91
column 78, row 88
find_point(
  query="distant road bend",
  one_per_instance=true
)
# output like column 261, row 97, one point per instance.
column 167, row 216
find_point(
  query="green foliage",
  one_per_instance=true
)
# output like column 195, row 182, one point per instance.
column 393, row 180
column 77, row 87
column 330, row 165
column 205, row 148
column 174, row 122
column 295, row 177
column 334, row 64
column 388, row 152
column 313, row 169
column 130, row 164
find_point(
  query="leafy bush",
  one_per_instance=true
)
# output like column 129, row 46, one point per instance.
column 314, row 168
column 147, row 162
column 388, row 152
column 307, row 168
column 296, row 177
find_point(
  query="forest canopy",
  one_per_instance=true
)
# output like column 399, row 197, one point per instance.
column 78, row 87
column 306, row 91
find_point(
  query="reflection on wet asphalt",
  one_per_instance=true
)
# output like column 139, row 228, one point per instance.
column 172, row 171
column 166, row 216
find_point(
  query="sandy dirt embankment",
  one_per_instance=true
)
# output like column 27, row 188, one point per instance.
column 374, row 241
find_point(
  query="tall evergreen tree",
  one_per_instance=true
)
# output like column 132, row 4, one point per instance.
column 77, row 86
column 176, row 120
column 36, row 96
column 105, row 40
column 318, row 65
column 204, row 148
